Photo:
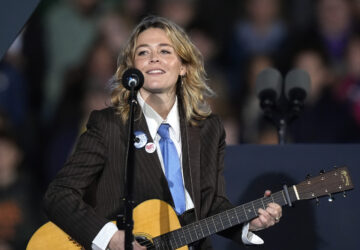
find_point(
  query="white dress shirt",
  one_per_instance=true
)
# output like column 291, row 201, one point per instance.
column 154, row 120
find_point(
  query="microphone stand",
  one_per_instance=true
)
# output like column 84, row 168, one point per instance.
column 278, row 115
column 125, row 221
column 282, row 126
column 282, row 114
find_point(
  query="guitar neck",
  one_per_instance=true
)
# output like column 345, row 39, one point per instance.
column 224, row 220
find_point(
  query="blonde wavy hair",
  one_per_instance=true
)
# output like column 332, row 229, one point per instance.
column 192, row 89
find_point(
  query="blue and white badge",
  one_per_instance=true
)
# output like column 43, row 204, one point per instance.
column 140, row 139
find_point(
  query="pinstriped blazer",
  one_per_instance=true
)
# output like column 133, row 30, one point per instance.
column 87, row 191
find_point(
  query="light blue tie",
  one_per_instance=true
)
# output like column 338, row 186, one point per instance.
column 172, row 168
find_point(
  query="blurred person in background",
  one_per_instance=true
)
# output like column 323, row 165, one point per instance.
column 114, row 28
column 133, row 10
column 324, row 118
column 349, row 87
column 20, row 210
column 220, row 104
column 85, row 90
column 262, row 31
column 182, row 12
column 335, row 22
column 334, row 26
column 70, row 28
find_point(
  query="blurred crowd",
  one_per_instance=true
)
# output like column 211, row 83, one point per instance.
column 58, row 70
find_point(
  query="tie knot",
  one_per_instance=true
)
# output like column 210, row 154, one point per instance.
column 164, row 131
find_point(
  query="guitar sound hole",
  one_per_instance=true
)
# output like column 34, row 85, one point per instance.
column 145, row 242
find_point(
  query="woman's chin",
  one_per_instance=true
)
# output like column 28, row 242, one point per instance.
column 156, row 89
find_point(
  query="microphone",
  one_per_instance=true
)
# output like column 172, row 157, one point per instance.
column 268, row 87
column 297, row 86
column 133, row 78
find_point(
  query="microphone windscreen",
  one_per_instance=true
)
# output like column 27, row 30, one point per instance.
column 133, row 77
column 297, row 84
column 268, row 81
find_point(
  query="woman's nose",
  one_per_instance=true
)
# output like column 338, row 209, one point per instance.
column 154, row 57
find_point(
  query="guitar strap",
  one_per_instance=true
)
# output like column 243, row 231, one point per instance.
column 187, row 217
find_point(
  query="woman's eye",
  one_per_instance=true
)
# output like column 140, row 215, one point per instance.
column 164, row 51
column 141, row 53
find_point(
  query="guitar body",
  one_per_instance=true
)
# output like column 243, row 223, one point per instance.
column 152, row 218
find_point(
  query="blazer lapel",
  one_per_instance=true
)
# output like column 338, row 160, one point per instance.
column 190, row 139
column 151, row 160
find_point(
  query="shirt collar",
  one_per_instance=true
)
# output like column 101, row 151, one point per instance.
column 154, row 120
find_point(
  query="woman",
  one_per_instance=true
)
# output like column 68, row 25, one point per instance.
column 173, row 96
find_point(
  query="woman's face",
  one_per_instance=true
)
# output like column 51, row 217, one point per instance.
column 156, row 58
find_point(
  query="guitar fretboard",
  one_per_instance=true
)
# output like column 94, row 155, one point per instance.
column 219, row 222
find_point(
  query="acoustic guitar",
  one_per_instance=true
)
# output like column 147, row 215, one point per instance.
column 156, row 224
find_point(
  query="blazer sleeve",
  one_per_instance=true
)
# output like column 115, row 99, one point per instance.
column 220, row 202
column 64, row 199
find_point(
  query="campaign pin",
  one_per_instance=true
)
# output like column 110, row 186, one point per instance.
column 140, row 139
column 150, row 147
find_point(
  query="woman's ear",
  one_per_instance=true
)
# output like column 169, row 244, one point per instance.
column 182, row 70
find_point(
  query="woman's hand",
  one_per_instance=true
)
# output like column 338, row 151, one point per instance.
column 268, row 217
column 118, row 240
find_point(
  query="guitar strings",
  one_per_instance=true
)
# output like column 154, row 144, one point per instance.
column 220, row 217
column 193, row 229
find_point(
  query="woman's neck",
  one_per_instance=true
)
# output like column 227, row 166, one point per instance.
column 161, row 103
